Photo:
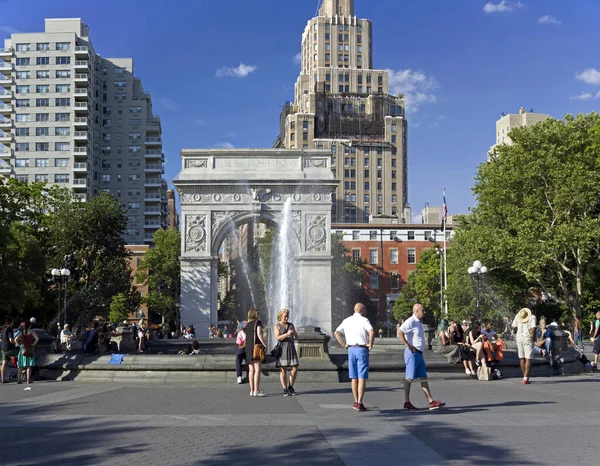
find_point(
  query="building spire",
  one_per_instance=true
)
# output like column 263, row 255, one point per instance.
column 337, row 7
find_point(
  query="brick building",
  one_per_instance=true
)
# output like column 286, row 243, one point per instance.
column 136, row 254
column 391, row 252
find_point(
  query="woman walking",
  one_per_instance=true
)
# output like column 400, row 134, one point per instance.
column 254, row 335
column 285, row 333
column 27, row 339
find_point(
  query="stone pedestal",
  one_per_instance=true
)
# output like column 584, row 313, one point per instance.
column 312, row 343
column 125, row 342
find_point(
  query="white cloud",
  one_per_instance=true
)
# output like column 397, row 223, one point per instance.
column 201, row 122
column 168, row 104
column 8, row 29
column 586, row 96
column 416, row 86
column 298, row 58
column 504, row 6
column 224, row 145
column 547, row 19
column 589, row 76
column 240, row 72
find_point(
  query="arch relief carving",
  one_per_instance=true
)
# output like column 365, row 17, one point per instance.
column 195, row 233
column 316, row 232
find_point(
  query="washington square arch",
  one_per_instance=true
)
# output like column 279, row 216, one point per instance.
column 221, row 189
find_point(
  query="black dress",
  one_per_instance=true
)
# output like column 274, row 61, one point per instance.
column 250, row 332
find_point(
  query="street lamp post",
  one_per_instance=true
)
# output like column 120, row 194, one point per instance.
column 63, row 274
column 477, row 271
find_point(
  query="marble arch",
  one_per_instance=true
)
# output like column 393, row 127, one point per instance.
column 246, row 184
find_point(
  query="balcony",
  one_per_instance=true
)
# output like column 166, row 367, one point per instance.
column 81, row 197
column 81, row 151
column 152, row 197
column 6, row 53
column 153, row 141
column 80, row 167
column 80, row 183
column 81, row 51
column 6, row 67
column 80, row 122
column 6, row 109
column 81, row 64
column 5, row 169
column 81, row 107
column 6, row 137
column 153, row 168
column 5, row 124
column 82, row 78
column 80, row 135
column 82, row 94
column 153, row 128
column 152, row 211
column 6, row 80
column 152, row 182
column 5, row 96
column 155, row 224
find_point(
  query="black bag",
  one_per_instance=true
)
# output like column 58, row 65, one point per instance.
column 277, row 351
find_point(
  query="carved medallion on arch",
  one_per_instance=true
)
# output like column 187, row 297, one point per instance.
column 316, row 233
column 195, row 233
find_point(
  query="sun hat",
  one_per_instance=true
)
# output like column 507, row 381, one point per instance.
column 524, row 315
column 553, row 324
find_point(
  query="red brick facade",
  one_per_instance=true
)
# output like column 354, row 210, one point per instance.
column 391, row 252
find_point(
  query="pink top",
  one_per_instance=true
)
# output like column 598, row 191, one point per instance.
column 241, row 338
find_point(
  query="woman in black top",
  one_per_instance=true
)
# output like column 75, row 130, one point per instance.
column 254, row 333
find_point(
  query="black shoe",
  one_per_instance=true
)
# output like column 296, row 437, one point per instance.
column 286, row 392
column 291, row 391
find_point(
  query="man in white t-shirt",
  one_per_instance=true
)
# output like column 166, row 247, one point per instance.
column 525, row 324
column 412, row 335
column 66, row 337
column 358, row 335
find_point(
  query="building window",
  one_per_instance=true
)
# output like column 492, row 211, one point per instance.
column 62, row 146
column 23, row 178
column 63, row 46
column 133, row 205
column 22, row 131
column 373, row 256
column 23, row 89
column 393, row 256
column 395, row 281
column 22, row 163
column 411, row 235
column 22, row 103
column 63, row 88
column 61, row 178
column 374, row 280
column 42, row 146
column 61, row 162
column 22, row 117
column 105, row 179
column 42, row 131
column 63, row 60
column 63, row 117
column 42, row 46
column 373, row 234
column 63, row 102
column 42, row 117
column 42, row 102
column 23, row 61
column 356, row 256
column 62, row 131
column 41, row 178
column 23, row 74
column 42, row 163
column 356, row 235
column 60, row 74
column 23, row 47
column 412, row 256
column 134, row 177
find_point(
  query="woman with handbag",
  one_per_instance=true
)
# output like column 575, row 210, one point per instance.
column 27, row 339
column 255, row 351
column 285, row 351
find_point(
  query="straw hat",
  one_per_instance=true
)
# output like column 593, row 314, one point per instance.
column 524, row 315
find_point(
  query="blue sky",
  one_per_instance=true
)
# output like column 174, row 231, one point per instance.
column 462, row 62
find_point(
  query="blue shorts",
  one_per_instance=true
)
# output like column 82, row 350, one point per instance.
column 415, row 365
column 358, row 362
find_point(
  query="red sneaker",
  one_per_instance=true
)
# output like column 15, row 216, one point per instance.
column 436, row 404
column 410, row 407
column 526, row 382
column 355, row 406
column 362, row 408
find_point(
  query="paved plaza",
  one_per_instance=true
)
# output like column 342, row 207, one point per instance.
column 552, row 421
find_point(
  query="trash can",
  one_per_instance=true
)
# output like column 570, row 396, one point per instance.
column 561, row 350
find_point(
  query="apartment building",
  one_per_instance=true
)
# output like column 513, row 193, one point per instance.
column 391, row 252
column 341, row 104
column 70, row 117
column 506, row 123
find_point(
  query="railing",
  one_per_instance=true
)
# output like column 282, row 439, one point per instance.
column 81, row 48
column 153, row 140
column 153, row 126
column 153, row 166
column 80, row 150
column 80, row 105
column 79, row 181
column 81, row 92
column 6, row 108
column 149, row 223
column 81, row 76
column 153, row 152
column 81, row 63
column 79, row 134
column 80, row 165
column 8, row 50
column 152, row 196
column 81, row 120
column 152, row 181
column 152, row 209
column 6, row 65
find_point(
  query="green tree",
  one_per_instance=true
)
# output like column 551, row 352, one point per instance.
column 537, row 210
column 160, row 271
column 124, row 304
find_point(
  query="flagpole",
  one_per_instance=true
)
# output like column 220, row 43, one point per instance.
column 444, row 219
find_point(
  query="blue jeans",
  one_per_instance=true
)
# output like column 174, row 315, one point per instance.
column 578, row 338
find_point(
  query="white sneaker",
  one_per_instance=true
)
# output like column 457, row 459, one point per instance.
column 239, row 380
column 259, row 393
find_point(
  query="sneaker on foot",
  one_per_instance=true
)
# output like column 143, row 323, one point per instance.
column 259, row 393
column 291, row 391
column 436, row 404
column 526, row 382
column 410, row 407
column 355, row 406
column 286, row 392
column 362, row 408
column 478, row 362
column 239, row 380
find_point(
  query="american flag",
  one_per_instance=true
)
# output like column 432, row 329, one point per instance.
column 444, row 210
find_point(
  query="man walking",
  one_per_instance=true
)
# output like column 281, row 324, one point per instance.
column 596, row 340
column 9, row 349
column 412, row 335
column 358, row 335
column 525, row 324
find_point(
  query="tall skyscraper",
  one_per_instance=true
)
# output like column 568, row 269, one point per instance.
column 342, row 104
column 71, row 117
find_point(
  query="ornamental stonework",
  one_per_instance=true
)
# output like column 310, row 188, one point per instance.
column 196, row 163
column 316, row 233
column 195, row 233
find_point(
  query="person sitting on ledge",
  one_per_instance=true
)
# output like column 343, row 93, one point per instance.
column 492, row 343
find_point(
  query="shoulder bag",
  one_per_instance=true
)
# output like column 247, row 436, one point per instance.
column 258, row 352
column 277, row 350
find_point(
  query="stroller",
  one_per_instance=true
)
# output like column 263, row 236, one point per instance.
column 13, row 371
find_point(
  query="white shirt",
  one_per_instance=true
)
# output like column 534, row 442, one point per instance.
column 523, row 330
column 413, row 331
column 64, row 335
column 356, row 329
